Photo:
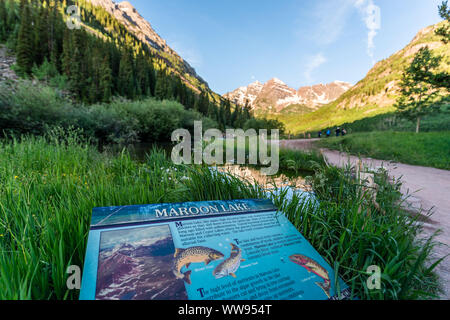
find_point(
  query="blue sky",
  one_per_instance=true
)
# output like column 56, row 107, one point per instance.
column 232, row 43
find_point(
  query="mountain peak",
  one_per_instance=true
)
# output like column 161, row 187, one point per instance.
column 276, row 80
column 125, row 5
column 274, row 96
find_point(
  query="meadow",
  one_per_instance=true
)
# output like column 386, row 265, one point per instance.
column 393, row 122
column 430, row 149
column 49, row 185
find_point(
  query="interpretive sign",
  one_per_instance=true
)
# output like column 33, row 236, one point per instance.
column 215, row 250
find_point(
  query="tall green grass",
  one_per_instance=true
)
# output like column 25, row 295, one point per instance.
column 430, row 149
column 352, row 234
column 394, row 122
column 48, row 188
column 50, row 184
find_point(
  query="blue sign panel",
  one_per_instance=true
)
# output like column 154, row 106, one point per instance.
column 215, row 250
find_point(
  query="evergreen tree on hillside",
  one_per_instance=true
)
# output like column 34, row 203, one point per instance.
column 66, row 57
column 126, row 75
column 143, row 76
column 227, row 113
column 221, row 115
column 247, row 113
column 78, row 64
column 25, row 40
column 161, row 88
column 418, row 91
column 202, row 104
column 105, row 80
column 442, row 79
column 96, row 67
column 444, row 31
column 56, row 26
column 235, row 116
column 3, row 22
column 41, row 36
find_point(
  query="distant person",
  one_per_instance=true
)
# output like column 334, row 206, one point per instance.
column 320, row 134
column 338, row 132
column 344, row 132
column 328, row 133
column 309, row 135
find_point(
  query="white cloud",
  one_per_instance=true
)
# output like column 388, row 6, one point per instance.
column 315, row 62
column 371, row 14
column 330, row 19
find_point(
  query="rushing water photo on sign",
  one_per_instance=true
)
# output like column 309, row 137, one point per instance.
column 136, row 264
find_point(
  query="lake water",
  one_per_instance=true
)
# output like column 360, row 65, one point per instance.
column 281, row 180
column 295, row 182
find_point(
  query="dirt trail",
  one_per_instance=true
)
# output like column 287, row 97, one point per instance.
column 429, row 189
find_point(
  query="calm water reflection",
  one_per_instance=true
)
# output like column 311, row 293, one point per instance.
column 284, row 179
column 281, row 180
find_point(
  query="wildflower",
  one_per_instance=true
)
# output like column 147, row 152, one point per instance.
column 16, row 177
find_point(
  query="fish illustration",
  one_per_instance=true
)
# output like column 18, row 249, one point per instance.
column 312, row 266
column 184, row 257
column 229, row 266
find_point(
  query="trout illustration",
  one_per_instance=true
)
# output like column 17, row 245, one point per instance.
column 184, row 257
column 317, row 269
column 229, row 266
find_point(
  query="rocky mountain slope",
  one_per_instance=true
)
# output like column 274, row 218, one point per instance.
column 376, row 93
column 275, row 96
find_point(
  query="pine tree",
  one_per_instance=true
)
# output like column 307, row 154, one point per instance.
column 66, row 57
column 142, row 76
column 41, row 36
column 12, row 24
column 227, row 113
column 105, row 80
column 236, row 117
column 25, row 40
column 3, row 22
column 55, row 39
column 247, row 113
column 126, row 75
column 418, row 92
column 442, row 79
column 152, row 78
column 161, row 85
column 77, row 66
column 444, row 31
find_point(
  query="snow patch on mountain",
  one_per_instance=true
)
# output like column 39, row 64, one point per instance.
column 275, row 95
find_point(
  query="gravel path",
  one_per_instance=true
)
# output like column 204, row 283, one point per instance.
column 429, row 190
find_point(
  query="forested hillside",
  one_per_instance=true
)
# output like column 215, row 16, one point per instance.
column 101, row 60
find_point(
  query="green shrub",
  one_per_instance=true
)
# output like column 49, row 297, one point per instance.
column 33, row 108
